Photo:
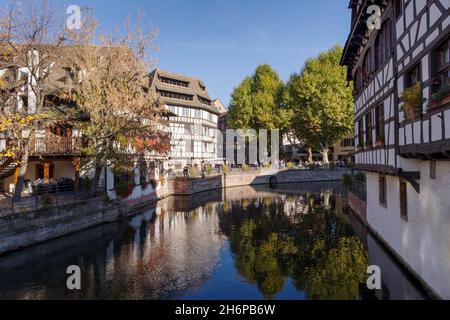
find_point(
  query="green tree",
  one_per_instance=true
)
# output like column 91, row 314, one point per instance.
column 321, row 101
column 256, row 103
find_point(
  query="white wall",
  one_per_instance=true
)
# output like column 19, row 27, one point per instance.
column 424, row 240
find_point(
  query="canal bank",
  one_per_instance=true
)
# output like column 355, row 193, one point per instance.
column 21, row 230
column 358, row 208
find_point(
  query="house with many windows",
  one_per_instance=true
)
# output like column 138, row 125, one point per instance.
column 57, row 148
column 193, row 118
column 343, row 150
column 400, row 71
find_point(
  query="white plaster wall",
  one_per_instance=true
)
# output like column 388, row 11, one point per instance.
column 424, row 240
column 63, row 169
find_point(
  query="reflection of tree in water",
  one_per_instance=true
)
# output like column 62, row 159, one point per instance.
column 315, row 247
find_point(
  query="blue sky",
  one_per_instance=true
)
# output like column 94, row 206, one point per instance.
column 222, row 41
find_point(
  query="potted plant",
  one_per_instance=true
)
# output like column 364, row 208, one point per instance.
column 380, row 141
column 413, row 100
column 442, row 96
column 290, row 166
column 125, row 188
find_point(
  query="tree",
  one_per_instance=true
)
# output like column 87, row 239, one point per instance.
column 31, row 38
column 111, row 86
column 321, row 101
column 256, row 103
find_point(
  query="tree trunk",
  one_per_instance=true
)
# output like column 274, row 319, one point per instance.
column 96, row 180
column 324, row 152
column 310, row 155
column 23, row 170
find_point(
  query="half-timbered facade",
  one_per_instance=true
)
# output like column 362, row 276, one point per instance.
column 400, row 69
column 193, row 121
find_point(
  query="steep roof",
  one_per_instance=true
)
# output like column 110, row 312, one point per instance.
column 184, row 85
column 359, row 30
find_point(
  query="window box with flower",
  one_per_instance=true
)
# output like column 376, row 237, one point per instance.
column 412, row 101
column 441, row 97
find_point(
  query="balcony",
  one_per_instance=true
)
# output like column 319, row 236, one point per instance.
column 55, row 145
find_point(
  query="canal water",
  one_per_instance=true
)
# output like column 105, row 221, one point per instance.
column 297, row 241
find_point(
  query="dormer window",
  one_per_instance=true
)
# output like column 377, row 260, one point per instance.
column 204, row 101
column 174, row 82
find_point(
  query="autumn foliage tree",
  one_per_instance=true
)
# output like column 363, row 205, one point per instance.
column 31, row 36
column 111, row 86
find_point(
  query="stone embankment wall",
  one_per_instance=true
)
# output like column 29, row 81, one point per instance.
column 186, row 186
column 21, row 230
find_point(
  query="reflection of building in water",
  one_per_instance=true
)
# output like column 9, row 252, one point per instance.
column 177, row 252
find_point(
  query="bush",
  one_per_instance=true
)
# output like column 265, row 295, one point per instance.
column 290, row 166
column 351, row 164
column 361, row 177
column 267, row 166
column 86, row 183
column 124, row 188
column 193, row 172
column 46, row 201
column 346, row 180
column 225, row 169
column 245, row 167
column 208, row 170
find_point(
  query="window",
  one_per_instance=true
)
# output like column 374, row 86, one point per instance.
column 403, row 200
column 174, row 82
column 413, row 76
column 358, row 83
column 196, row 129
column 175, row 95
column 360, row 133
column 24, row 102
column 433, row 169
column 443, row 65
column 347, row 143
column 398, row 6
column 379, row 123
column 204, row 101
column 383, row 44
column 185, row 112
column 368, row 65
column 369, row 129
column 382, row 187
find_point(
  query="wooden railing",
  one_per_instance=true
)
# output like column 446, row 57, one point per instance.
column 56, row 145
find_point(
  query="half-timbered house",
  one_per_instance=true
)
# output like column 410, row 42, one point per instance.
column 399, row 64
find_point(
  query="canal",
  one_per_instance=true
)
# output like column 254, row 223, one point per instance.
column 297, row 241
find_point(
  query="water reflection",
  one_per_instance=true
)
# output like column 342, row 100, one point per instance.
column 295, row 242
column 298, row 237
